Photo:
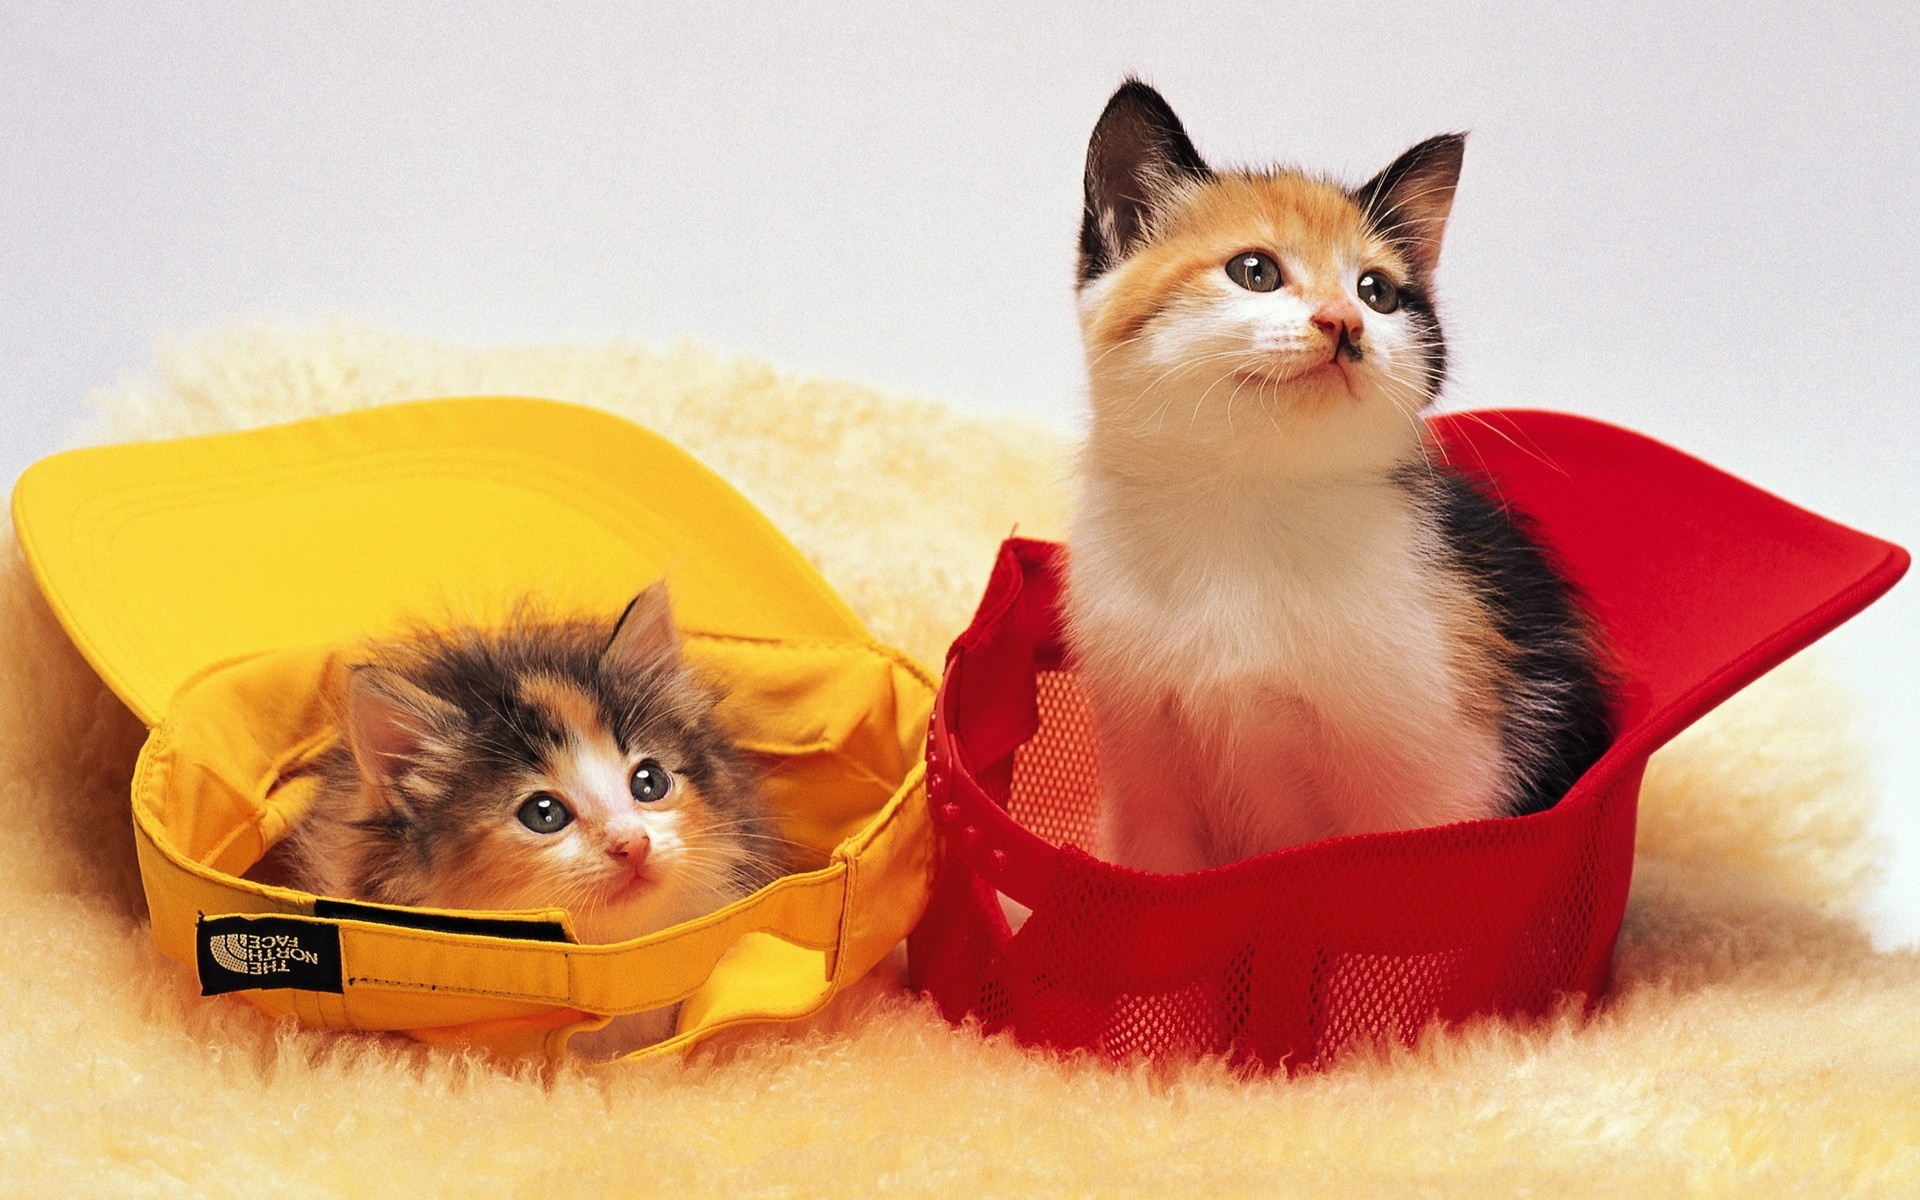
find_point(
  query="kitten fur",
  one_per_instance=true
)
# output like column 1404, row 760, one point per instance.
column 1292, row 618
column 449, row 732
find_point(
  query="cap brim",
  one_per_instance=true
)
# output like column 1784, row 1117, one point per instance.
column 163, row 558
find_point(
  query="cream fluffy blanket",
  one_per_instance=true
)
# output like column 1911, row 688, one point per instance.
column 1756, row 1043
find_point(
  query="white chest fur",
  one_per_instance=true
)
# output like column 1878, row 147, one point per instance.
column 1271, row 663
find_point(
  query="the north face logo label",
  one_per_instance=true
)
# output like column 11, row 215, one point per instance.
column 237, row 953
column 259, row 954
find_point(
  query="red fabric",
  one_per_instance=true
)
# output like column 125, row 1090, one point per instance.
column 1701, row 583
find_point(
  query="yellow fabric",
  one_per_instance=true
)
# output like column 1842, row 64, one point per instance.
column 341, row 528
column 1757, row 1044
column 164, row 558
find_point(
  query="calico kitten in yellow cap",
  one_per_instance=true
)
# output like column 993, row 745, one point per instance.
column 547, row 764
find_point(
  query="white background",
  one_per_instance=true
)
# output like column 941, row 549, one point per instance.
column 1698, row 225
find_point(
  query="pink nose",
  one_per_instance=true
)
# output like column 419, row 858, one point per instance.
column 630, row 850
column 1337, row 318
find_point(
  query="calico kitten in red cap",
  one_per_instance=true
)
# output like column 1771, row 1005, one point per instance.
column 1293, row 617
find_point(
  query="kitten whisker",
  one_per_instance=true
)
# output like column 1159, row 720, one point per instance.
column 1532, row 452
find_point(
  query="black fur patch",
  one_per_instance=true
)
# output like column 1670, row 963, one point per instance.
column 1138, row 148
column 1561, row 683
column 1418, row 303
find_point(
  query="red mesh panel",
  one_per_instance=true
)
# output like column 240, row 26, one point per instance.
column 1700, row 582
column 1056, row 773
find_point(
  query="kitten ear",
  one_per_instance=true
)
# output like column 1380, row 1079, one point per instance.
column 1409, row 201
column 1137, row 162
column 645, row 633
column 391, row 723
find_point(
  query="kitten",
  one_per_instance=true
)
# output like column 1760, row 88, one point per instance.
column 1293, row 620
column 566, row 764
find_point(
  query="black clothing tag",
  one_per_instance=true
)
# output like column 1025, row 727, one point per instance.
column 238, row 953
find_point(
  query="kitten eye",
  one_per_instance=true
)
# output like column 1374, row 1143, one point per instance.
column 1254, row 271
column 543, row 813
column 1378, row 291
column 650, row 781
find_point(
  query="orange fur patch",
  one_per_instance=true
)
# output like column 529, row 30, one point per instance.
column 1285, row 214
column 566, row 704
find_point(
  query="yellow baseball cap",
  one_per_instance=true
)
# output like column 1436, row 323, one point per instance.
column 213, row 582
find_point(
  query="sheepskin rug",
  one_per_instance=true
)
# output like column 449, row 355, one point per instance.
column 1756, row 1044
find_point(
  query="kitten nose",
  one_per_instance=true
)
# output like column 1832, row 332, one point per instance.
column 630, row 850
column 1337, row 318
